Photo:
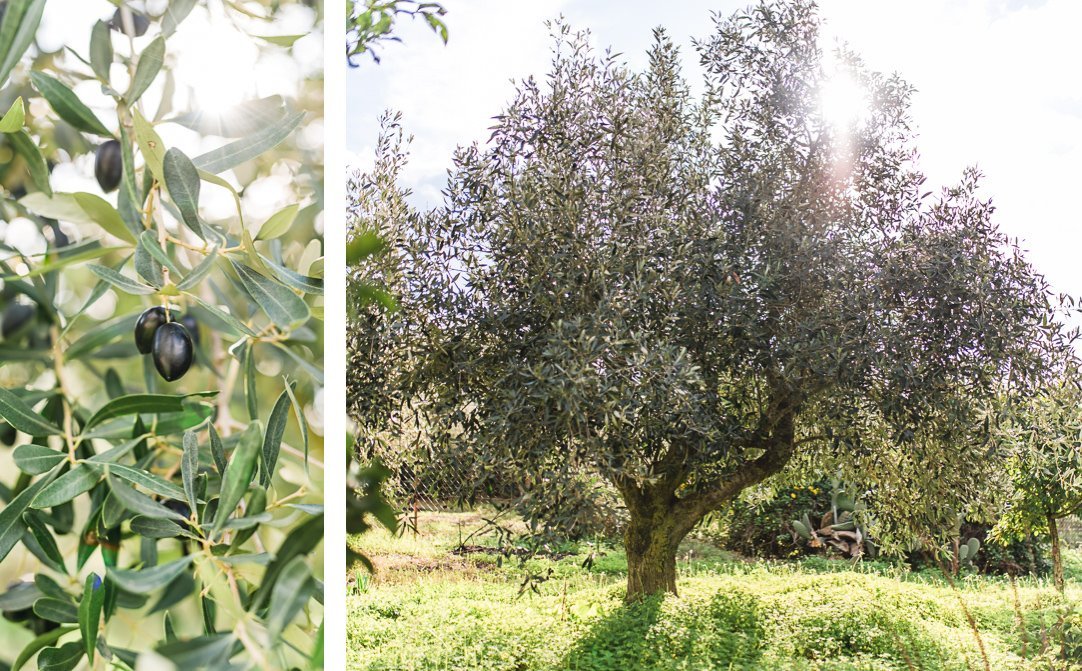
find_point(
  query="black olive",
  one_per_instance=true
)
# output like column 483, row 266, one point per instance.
column 108, row 165
column 173, row 351
column 147, row 325
column 139, row 23
column 193, row 328
column 16, row 317
column 7, row 433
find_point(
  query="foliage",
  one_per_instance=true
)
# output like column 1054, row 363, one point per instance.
column 1045, row 469
column 371, row 22
column 427, row 609
column 763, row 529
column 684, row 295
column 158, row 354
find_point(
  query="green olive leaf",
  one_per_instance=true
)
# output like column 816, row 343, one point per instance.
column 137, row 476
column 13, row 118
column 134, row 404
column 150, row 145
column 21, row 416
column 122, row 282
column 189, row 468
column 37, row 459
column 217, row 450
column 64, row 658
column 148, row 580
column 285, row 308
column 272, row 439
column 78, row 480
column 278, row 223
column 178, row 10
column 291, row 592
column 200, row 270
column 238, row 474
column 28, row 150
column 90, row 613
column 17, row 31
column 56, row 610
column 47, row 549
column 204, row 652
column 66, row 104
column 101, row 50
column 104, row 215
column 247, row 148
column 302, row 421
column 147, row 267
column 150, row 63
column 182, row 180
column 134, row 500
column 11, row 524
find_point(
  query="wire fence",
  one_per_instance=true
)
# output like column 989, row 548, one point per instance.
column 1070, row 531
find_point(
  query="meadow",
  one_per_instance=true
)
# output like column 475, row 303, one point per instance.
column 428, row 607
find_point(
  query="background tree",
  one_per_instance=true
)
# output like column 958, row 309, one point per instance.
column 161, row 342
column 1045, row 468
column 685, row 295
column 371, row 22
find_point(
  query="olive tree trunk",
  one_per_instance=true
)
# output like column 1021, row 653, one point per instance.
column 651, row 542
column 1057, row 556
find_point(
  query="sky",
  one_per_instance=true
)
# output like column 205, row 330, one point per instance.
column 997, row 87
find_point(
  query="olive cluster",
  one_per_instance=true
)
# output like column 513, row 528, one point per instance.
column 169, row 339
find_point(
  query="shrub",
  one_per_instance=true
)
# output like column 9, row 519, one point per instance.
column 159, row 350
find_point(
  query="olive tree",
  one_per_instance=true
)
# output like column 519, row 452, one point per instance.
column 1044, row 437
column 685, row 294
column 161, row 352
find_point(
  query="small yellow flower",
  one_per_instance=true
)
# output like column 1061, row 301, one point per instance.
column 792, row 496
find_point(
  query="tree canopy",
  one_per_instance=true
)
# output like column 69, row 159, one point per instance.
column 682, row 295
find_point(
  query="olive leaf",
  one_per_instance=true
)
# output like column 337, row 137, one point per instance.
column 285, row 308
column 147, row 580
column 17, row 31
column 11, row 525
column 272, row 439
column 13, row 118
column 78, row 480
column 35, row 162
column 144, row 404
column 235, row 153
column 150, row 145
column 36, row 459
column 134, row 500
column 101, row 50
column 65, row 103
column 125, row 284
column 21, row 416
column 278, row 223
column 238, row 474
column 291, row 591
column 182, row 180
column 150, row 62
column 49, row 552
column 189, row 468
column 64, row 658
column 90, row 613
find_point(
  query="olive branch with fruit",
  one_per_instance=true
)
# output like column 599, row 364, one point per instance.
column 166, row 484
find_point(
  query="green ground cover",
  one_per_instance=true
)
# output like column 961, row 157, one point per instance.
column 428, row 609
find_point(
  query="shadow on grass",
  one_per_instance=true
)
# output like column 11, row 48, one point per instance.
column 722, row 632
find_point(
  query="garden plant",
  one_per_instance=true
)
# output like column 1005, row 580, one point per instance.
column 161, row 351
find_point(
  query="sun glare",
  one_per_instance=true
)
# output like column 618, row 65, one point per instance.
column 842, row 100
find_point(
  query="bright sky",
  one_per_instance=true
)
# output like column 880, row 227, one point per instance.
column 997, row 87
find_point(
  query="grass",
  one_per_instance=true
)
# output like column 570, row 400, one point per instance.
column 427, row 609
